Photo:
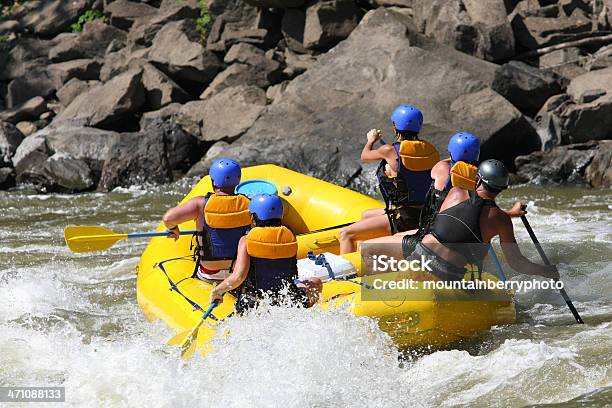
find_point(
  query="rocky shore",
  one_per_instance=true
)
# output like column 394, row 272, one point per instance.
column 100, row 94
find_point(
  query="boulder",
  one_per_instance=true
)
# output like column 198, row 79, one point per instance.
column 319, row 125
column 234, row 21
column 50, row 17
column 391, row 3
column 160, row 89
column 91, row 43
column 123, row 13
column 275, row 92
column 117, row 62
column 226, row 115
column 107, row 106
column 66, row 174
column 599, row 172
column 601, row 59
column 525, row 86
column 201, row 168
column 536, row 32
column 29, row 110
column 10, row 26
column 73, row 88
column 167, row 113
column 281, row 4
column 138, row 158
column 242, row 74
column 85, row 69
column 144, row 29
column 7, row 178
column 297, row 64
column 29, row 160
column 476, row 27
column 177, row 52
column 329, row 22
column 182, row 149
column 87, row 144
column 582, row 163
column 26, row 128
column 585, row 113
column 28, row 55
column 28, row 86
column 10, row 138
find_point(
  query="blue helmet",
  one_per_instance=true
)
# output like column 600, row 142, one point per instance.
column 225, row 173
column 266, row 207
column 406, row 117
column 464, row 146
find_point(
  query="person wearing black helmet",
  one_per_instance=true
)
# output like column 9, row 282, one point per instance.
column 466, row 223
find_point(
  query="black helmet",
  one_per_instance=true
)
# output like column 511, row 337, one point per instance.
column 493, row 174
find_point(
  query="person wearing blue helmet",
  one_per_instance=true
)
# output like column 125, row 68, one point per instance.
column 266, row 262
column 404, row 178
column 221, row 218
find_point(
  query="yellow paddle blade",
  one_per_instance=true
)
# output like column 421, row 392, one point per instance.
column 90, row 238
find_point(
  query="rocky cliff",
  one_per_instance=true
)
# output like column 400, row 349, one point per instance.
column 98, row 94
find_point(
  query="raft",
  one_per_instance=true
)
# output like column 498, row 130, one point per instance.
column 315, row 210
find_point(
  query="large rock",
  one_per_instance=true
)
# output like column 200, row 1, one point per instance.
column 29, row 160
column 261, row 75
column 276, row 3
column 109, row 105
column 585, row 113
column 292, row 25
column 319, row 125
column 28, row 55
column 234, row 21
column 85, row 69
column 87, row 144
column 32, row 84
column 144, row 29
column 201, row 168
column 167, row 113
column 583, row 163
column 176, row 51
column 149, row 156
column 477, row 27
column 50, row 17
column 66, row 174
column 525, row 86
column 72, row 89
column 123, row 13
column 224, row 116
column 160, row 90
column 533, row 32
column 91, row 43
column 117, row 62
column 328, row 22
column 30, row 110
column 10, row 138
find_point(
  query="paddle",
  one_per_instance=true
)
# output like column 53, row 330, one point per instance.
column 186, row 340
column 91, row 238
column 547, row 262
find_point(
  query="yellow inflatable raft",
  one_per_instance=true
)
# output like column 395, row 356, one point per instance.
column 313, row 210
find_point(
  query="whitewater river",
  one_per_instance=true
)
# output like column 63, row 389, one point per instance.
column 73, row 320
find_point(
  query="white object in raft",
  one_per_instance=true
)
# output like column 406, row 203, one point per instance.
column 340, row 266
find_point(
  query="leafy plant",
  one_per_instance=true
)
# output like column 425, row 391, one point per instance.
column 86, row 17
column 4, row 43
column 203, row 22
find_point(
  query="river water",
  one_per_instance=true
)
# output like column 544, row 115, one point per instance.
column 72, row 320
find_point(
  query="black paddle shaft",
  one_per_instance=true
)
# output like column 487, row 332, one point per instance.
column 547, row 262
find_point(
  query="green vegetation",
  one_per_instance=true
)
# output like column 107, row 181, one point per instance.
column 203, row 22
column 4, row 43
column 89, row 15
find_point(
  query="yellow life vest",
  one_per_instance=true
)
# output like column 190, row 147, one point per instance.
column 418, row 155
column 271, row 243
column 227, row 211
column 463, row 175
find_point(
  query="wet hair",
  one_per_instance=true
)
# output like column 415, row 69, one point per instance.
column 226, row 190
column 275, row 222
column 407, row 134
